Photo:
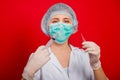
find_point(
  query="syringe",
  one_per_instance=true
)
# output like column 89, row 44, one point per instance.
column 83, row 39
column 50, row 41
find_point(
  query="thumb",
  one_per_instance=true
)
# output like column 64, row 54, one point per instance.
column 40, row 48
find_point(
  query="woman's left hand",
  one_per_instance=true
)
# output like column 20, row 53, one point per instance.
column 94, row 53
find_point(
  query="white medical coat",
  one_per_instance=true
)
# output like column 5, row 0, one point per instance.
column 79, row 67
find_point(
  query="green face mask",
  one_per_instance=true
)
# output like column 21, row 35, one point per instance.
column 61, row 30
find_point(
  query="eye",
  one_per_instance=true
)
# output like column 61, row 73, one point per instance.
column 54, row 21
column 66, row 21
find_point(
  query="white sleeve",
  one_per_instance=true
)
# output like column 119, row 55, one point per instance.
column 37, row 75
column 90, row 68
column 91, row 74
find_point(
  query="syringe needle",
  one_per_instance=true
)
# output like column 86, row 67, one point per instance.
column 83, row 37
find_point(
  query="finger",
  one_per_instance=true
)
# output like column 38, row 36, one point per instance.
column 89, row 49
column 86, row 43
column 45, row 50
column 46, row 53
column 41, row 47
column 90, row 44
column 86, row 46
column 91, row 52
column 46, row 59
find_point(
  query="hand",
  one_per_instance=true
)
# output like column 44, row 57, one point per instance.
column 38, row 59
column 94, row 53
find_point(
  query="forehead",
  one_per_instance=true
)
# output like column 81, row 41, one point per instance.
column 61, row 16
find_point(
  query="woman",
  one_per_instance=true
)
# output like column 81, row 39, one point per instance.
column 62, row 61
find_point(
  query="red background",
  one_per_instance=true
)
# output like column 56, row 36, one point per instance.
column 20, row 33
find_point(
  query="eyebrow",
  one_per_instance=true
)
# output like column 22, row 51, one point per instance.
column 63, row 19
column 55, row 19
column 66, row 18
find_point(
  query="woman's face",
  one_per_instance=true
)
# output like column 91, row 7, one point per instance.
column 65, row 31
column 60, row 18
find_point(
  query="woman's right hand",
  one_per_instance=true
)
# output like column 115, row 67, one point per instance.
column 38, row 59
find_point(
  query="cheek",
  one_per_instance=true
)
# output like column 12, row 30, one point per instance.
column 49, row 25
column 71, row 22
